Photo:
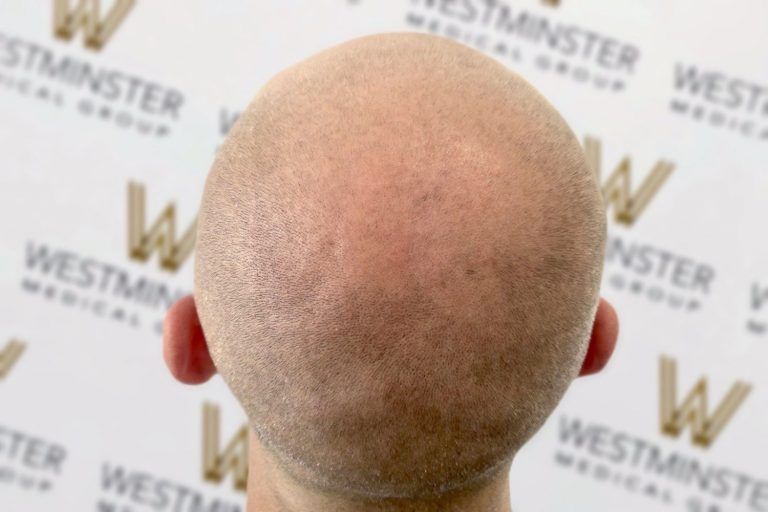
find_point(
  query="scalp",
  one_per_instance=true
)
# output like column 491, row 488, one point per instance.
column 399, row 253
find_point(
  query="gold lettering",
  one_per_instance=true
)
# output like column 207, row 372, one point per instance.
column 234, row 458
column 617, row 188
column 9, row 356
column 161, row 236
column 694, row 411
column 87, row 15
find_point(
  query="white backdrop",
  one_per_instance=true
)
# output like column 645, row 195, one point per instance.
column 89, row 417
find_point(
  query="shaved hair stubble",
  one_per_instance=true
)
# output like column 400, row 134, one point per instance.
column 399, row 255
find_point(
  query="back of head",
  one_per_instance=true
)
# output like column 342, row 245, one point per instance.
column 399, row 255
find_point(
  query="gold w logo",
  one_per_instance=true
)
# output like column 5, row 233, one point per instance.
column 87, row 15
column 617, row 188
column 9, row 356
column 234, row 458
column 161, row 236
column 694, row 411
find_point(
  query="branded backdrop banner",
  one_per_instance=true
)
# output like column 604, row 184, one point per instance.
column 111, row 112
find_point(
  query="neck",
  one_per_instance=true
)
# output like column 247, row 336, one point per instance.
column 271, row 489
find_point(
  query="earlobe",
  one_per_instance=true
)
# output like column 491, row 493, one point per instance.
column 184, row 346
column 605, row 331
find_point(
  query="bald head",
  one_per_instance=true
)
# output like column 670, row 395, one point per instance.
column 399, row 255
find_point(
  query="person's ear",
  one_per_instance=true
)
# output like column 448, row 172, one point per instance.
column 605, row 331
column 184, row 347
